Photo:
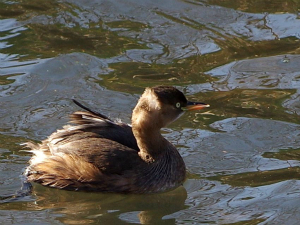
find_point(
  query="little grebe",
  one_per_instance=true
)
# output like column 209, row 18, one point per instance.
column 98, row 154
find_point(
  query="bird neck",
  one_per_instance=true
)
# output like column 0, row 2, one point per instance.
column 146, row 129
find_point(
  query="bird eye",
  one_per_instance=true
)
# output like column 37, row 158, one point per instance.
column 178, row 105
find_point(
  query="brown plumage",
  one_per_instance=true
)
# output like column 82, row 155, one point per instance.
column 97, row 154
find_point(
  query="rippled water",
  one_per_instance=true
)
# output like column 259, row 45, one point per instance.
column 241, row 57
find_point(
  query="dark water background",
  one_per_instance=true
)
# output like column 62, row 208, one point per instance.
column 241, row 57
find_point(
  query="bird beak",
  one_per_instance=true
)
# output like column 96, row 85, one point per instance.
column 195, row 106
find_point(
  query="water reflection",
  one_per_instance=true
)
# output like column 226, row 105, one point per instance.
column 287, row 154
column 242, row 57
column 93, row 208
column 254, row 6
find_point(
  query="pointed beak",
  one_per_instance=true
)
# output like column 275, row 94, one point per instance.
column 195, row 106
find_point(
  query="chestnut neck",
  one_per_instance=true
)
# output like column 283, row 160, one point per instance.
column 146, row 127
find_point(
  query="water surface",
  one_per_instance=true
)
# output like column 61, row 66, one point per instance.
column 242, row 58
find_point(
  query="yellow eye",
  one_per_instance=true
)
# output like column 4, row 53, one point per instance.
column 177, row 105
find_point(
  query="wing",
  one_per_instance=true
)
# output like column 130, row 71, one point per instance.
column 92, row 124
column 94, row 154
column 95, row 122
column 103, row 128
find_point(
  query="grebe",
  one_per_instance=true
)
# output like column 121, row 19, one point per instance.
column 98, row 154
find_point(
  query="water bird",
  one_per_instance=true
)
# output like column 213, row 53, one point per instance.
column 99, row 154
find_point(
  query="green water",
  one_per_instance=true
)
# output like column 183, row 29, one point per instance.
column 241, row 57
